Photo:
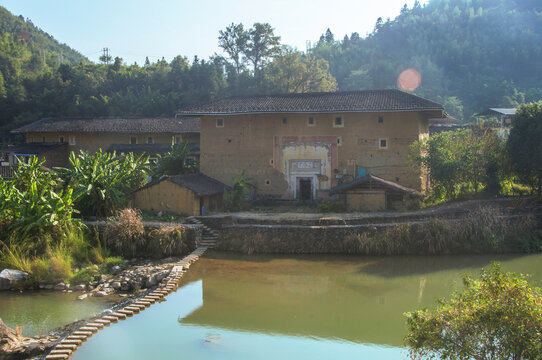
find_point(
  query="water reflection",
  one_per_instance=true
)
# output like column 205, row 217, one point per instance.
column 236, row 307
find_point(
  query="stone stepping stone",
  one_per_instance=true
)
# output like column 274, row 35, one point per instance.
column 75, row 342
column 65, row 347
column 139, row 305
column 77, row 337
column 134, row 309
column 126, row 312
column 95, row 324
column 118, row 315
column 106, row 322
column 113, row 319
column 57, row 356
column 89, row 328
column 144, row 303
column 59, row 352
column 87, row 333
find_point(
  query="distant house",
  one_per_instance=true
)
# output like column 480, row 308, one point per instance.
column 370, row 193
column 300, row 146
column 447, row 123
column 504, row 114
column 55, row 153
column 149, row 135
column 180, row 194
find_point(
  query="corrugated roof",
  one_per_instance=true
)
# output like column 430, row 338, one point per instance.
column 113, row 125
column 33, row 148
column 350, row 101
column 372, row 178
column 498, row 112
column 201, row 184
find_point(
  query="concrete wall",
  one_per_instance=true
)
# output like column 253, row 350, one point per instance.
column 168, row 197
column 93, row 142
column 366, row 200
column 265, row 145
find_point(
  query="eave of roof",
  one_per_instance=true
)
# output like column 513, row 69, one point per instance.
column 200, row 184
column 368, row 101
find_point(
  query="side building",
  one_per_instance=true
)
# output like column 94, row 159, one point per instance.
column 54, row 138
column 300, row 146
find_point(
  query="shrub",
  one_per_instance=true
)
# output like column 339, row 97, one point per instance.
column 124, row 232
column 170, row 241
column 331, row 206
column 495, row 317
column 112, row 261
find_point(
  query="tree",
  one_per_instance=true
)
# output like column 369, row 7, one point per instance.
column 293, row 72
column 261, row 45
column 329, row 37
column 234, row 42
column 524, row 145
column 176, row 162
column 496, row 317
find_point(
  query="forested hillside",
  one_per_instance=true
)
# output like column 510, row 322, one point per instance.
column 471, row 54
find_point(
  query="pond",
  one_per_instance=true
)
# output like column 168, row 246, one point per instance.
column 39, row 312
column 275, row 307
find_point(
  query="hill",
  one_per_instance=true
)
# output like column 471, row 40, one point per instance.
column 41, row 41
column 471, row 54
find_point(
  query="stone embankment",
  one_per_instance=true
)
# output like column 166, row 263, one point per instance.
column 64, row 348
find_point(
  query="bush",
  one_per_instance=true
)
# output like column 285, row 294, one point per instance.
column 495, row 317
column 124, row 232
column 170, row 241
column 111, row 261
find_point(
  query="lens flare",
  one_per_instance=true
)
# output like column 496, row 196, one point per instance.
column 409, row 80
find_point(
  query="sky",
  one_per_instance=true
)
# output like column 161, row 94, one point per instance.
column 134, row 29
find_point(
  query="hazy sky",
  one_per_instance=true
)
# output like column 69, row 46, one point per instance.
column 133, row 29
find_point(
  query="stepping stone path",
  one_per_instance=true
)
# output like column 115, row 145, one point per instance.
column 208, row 236
column 68, row 345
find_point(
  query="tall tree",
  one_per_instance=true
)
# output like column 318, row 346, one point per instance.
column 234, row 42
column 262, row 44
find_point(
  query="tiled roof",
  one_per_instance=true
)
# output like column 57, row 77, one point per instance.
column 35, row 148
column 497, row 112
column 201, row 184
column 149, row 149
column 113, row 125
column 350, row 101
column 370, row 178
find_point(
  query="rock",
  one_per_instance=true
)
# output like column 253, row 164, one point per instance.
column 125, row 286
column 115, row 270
column 161, row 275
column 99, row 294
column 115, row 285
column 82, row 297
column 9, row 277
column 49, row 287
column 60, row 286
column 103, row 279
column 150, row 281
column 80, row 287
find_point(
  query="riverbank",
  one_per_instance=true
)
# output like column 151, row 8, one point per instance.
column 63, row 340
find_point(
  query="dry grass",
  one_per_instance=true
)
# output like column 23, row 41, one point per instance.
column 125, row 232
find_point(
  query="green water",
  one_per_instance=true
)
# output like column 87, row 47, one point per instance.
column 310, row 307
column 38, row 312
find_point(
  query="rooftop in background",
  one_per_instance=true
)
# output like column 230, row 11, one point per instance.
column 369, row 179
column 350, row 101
column 35, row 148
column 112, row 125
column 149, row 149
column 445, row 121
column 498, row 112
column 201, row 184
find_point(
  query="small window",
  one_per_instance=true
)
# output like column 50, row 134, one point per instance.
column 61, row 139
column 339, row 141
column 176, row 140
column 271, row 162
column 267, row 182
column 338, row 121
column 133, row 140
column 150, row 140
column 380, row 119
column 72, row 140
column 43, row 139
column 383, row 143
column 310, row 121
column 153, row 160
column 219, row 122
column 284, row 120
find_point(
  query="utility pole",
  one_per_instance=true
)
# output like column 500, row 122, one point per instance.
column 105, row 58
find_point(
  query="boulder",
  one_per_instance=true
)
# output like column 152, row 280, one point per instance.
column 10, row 277
column 115, row 270
column 60, row 286
column 82, row 297
column 115, row 285
column 80, row 287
